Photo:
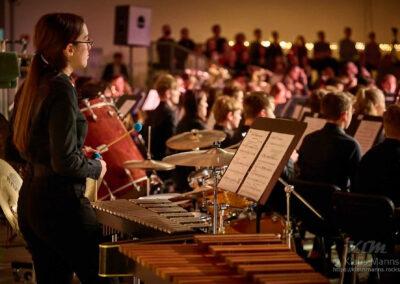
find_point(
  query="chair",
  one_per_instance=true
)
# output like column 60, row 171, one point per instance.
column 10, row 184
column 319, row 196
column 369, row 221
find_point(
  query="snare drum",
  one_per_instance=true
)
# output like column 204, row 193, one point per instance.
column 234, row 202
column 271, row 224
column 105, row 126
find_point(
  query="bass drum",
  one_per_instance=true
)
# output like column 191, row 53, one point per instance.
column 105, row 126
column 272, row 224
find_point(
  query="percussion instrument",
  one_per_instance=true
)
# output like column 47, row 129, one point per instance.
column 195, row 139
column 148, row 165
column 105, row 126
column 199, row 178
column 229, row 205
column 248, row 258
column 164, row 196
column 272, row 224
column 215, row 157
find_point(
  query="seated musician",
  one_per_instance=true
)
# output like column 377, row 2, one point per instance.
column 228, row 113
column 280, row 93
column 257, row 104
column 378, row 170
column 330, row 155
column 388, row 86
column 369, row 101
column 316, row 98
column 163, row 119
column 195, row 111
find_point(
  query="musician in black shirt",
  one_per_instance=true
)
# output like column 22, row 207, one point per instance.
column 56, row 220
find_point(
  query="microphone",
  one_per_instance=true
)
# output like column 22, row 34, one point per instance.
column 137, row 127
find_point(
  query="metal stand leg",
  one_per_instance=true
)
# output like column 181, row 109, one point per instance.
column 215, row 217
column 148, row 181
column 288, row 223
column 289, row 189
column 258, row 218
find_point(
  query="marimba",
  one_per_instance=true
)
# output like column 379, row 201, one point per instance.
column 247, row 258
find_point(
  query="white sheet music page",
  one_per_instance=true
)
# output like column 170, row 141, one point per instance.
column 265, row 166
column 366, row 134
column 243, row 159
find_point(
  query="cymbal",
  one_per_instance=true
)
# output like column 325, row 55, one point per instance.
column 148, row 165
column 234, row 146
column 195, row 139
column 215, row 157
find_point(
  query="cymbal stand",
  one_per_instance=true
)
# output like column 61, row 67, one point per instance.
column 289, row 189
column 216, row 172
column 148, row 173
column 222, row 207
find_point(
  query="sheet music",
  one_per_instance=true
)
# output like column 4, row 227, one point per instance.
column 304, row 110
column 265, row 166
column 297, row 111
column 243, row 159
column 152, row 100
column 126, row 107
column 366, row 134
column 313, row 124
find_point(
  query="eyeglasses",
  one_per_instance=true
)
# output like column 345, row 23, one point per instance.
column 88, row 42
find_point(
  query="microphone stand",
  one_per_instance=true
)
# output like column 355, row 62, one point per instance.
column 289, row 189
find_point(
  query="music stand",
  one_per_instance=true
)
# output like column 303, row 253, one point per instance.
column 260, row 160
column 367, row 130
column 128, row 104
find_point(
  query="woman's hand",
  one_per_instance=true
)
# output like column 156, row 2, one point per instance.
column 88, row 151
column 103, row 168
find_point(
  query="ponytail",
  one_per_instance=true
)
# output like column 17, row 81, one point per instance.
column 26, row 96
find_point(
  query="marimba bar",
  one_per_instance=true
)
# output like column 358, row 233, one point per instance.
column 247, row 258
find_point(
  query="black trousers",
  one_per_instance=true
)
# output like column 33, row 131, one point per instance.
column 61, row 230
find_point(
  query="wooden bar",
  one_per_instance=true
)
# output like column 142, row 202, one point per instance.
column 266, row 260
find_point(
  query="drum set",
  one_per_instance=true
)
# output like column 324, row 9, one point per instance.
column 129, row 171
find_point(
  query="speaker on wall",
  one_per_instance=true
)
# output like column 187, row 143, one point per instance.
column 132, row 26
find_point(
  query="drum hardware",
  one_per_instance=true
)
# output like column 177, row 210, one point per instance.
column 134, row 182
column 214, row 158
column 198, row 178
column 149, row 165
column 112, row 196
column 135, row 186
column 289, row 189
column 222, row 207
column 195, row 139
column 89, row 108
